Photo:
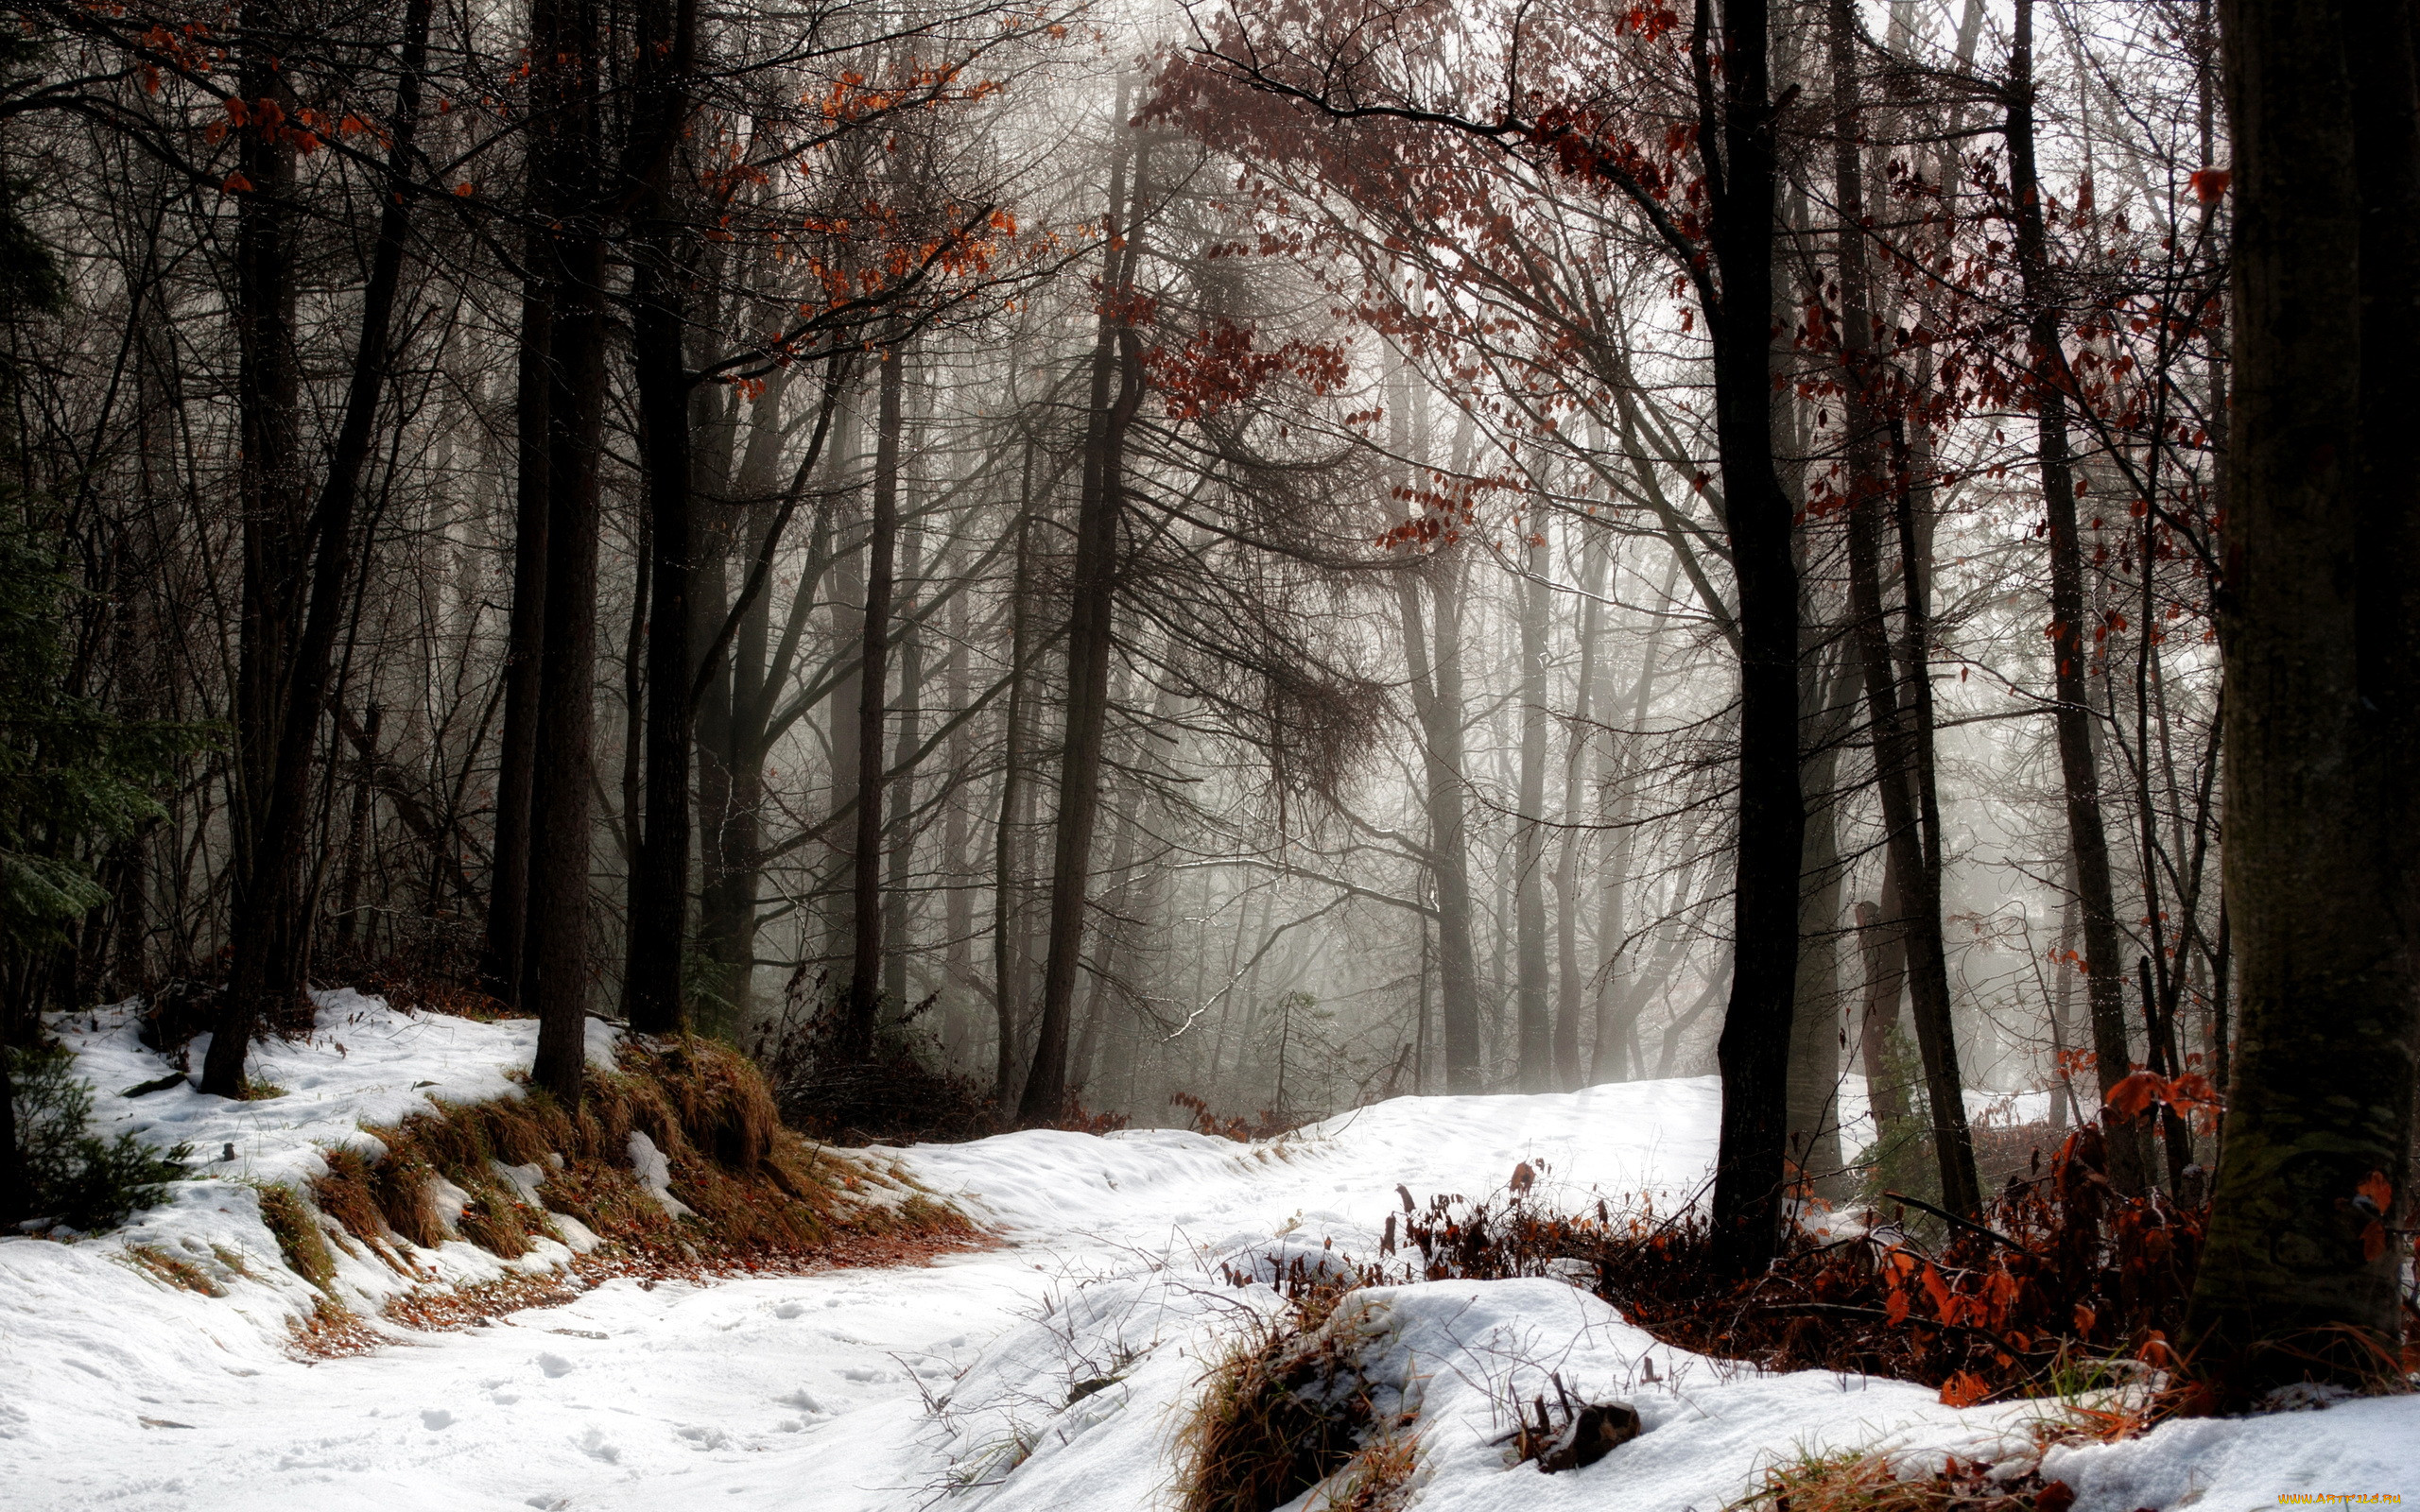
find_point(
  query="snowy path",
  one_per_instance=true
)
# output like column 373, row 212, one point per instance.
column 811, row 1392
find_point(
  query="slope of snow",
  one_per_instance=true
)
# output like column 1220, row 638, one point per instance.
column 1050, row 1373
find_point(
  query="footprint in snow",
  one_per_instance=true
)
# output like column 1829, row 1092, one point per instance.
column 706, row 1437
column 790, row 1310
column 436, row 1417
column 858, row 1372
column 554, row 1365
column 593, row 1444
column 803, row 1400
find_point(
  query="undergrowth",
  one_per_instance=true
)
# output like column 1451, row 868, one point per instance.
column 897, row 1091
column 1283, row 1410
column 1267, row 1125
column 1855, row 1481
column 757, row 1190
column 76, row 1178
column 2061, row 1273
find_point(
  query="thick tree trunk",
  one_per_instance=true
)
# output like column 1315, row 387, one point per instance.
column 271, row 925
column 1754, row 1052
column 1882, row 950
column 1535, row 1020
column 2103, row 955
column 2322, row 619
column 270, row 493
column 558, row 946
column 660, row 278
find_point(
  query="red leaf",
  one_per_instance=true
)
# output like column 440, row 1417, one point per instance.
column 2378, row 1190
column 1963, row 1389
column 2132, row 1098
column 2209, row 184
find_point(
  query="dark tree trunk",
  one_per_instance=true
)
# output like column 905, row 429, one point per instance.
column 270, row 925
column 865, row 969
column 1008, row 969
column 2104, row 964
column 270, row 493
column 1884, row 953
column 1754, row 1052
column 660, row 279
column 2322, row 616
column 357, row 833
column 504, row 962
column 558, row 945
column 1117, row 355
column 1437, row 702
column 1899, row 767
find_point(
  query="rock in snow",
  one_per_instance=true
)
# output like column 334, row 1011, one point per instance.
column 1051, row 1373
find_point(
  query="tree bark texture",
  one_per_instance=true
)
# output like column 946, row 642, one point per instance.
column 2320, row 620
column 1753, row 1051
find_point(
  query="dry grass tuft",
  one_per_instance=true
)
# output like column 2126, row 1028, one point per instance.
column 163, row 1266
column 296, row 1227
column 1285, row 1410
column 1381, row 1478
column 1866, row 1482
column 766, row 1201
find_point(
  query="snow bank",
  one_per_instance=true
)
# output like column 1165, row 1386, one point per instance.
column 88, row 1328
column 1050, row 1375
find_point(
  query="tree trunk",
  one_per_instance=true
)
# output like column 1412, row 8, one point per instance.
column 864, row 965
column 1094, row 596
column 660, row 278
column 504, row 962
column 1883, row 951
column 1571, row 1072
column 1008, row 971
column 1437, row 702
column 2321, row 614
column 271, row 925
column 558, row 945
column 1897, row 729
column 1535, row 1020
column 2104, row 970
column 1754, row 1052
column 271, row 490
column 899, row 896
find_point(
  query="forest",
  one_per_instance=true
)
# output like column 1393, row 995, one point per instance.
column 978, row 566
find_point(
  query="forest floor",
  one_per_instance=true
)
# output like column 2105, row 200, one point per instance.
column 1052, row 1372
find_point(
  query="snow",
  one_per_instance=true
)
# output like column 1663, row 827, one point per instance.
column 1050, row 1373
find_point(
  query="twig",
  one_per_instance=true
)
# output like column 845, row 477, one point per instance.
column 1963, row 1223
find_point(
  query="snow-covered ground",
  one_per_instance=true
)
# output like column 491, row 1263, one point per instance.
column 955, row 1384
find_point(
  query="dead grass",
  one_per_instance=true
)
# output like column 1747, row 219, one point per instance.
column 1865, row 1483
column 296, row 1227
column 766, row 1201
column 1284, row 1410
column 1380, row 1477
column 163, row 1266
